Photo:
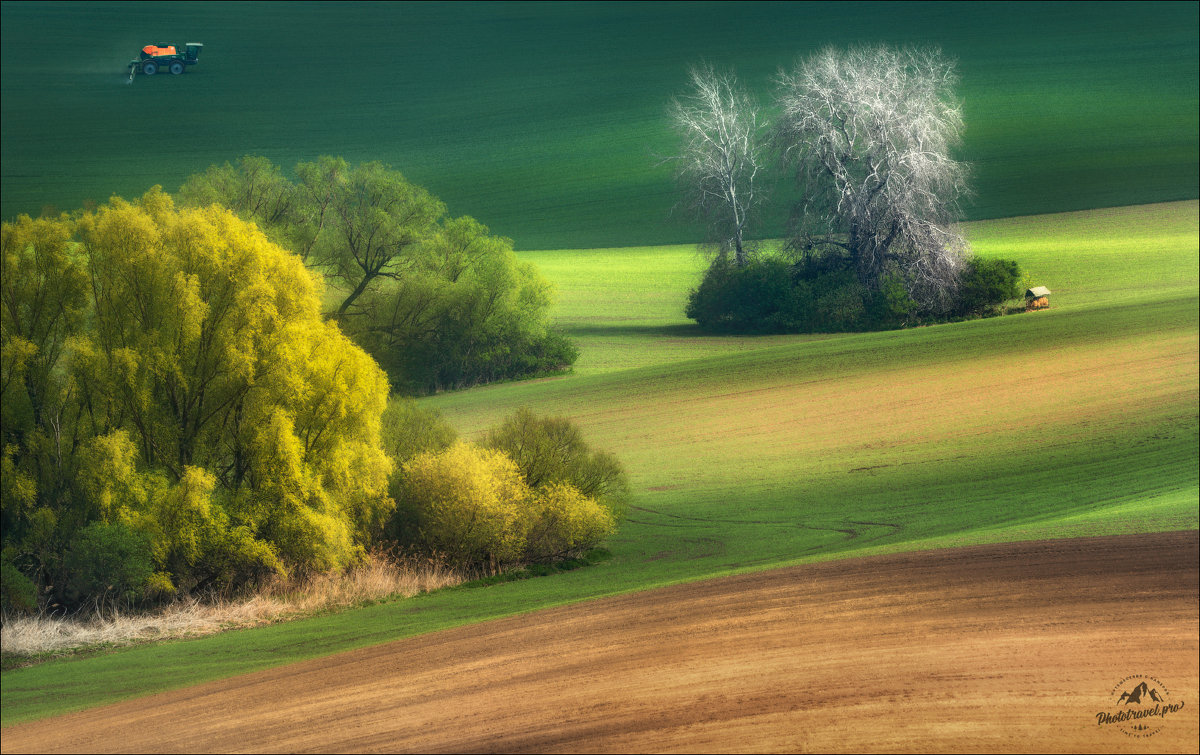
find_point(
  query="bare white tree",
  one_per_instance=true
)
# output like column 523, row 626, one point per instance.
column 720, row 156
column 869, row 132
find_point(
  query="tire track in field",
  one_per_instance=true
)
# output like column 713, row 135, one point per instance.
column 849, row 533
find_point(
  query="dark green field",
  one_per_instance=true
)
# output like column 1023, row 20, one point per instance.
column 544, row 120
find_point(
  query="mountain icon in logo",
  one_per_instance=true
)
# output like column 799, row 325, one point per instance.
column 1139, row 694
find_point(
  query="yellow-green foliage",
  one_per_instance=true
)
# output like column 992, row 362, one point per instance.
column 203, row 400
column 410, row 429
column 550, row 450
column 474, row 507
column 564, row 520
column 471, row 502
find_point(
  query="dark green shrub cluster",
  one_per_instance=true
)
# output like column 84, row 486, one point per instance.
column 449, row 352
column 774, row 296
column 18, row 594
column 987, row 284
column 753, row 298
column 108, row 562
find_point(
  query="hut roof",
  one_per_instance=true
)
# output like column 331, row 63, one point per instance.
column 1037, row 292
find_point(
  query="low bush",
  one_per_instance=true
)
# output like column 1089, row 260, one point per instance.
column 470, row 505
column 771, row 295
column 564, row 521
column 18, row 594
column 109, row 563
column 550, row 451
column 408, row 429
column 475, row 508
column 987, row 284
column 757, row 297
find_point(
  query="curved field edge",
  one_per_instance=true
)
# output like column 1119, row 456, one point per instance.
column 754, row 454
column 994, row 648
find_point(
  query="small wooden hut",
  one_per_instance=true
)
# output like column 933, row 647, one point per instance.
column 1037, row 297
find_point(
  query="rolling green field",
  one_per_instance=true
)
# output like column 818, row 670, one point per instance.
column 546, row 121
column 750, row 453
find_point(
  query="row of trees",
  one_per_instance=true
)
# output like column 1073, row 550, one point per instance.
column 868, row 135
column 438, row 301
column 178, row 414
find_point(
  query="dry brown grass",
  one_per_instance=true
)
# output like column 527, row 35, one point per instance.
column 379, row 577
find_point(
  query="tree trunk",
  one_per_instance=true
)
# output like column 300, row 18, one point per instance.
column 357, row 292
column 739, row 254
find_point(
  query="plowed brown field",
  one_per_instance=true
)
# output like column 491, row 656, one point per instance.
column 1012, row 647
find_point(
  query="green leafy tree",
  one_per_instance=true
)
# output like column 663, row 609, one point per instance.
column 44, row 299
column 378, row 222
column 466, row 311
column 439, row 302
column 551, row 450
column 257, row 190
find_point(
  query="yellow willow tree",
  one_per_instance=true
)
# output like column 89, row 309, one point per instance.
column 474, row 507
column 212, row 407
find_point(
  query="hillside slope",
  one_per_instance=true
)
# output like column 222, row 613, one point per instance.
column 747, row 454
column 1077, row 420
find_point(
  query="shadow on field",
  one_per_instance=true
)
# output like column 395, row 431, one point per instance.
column 612, row 331
column 1100, row 321
column 667, row 331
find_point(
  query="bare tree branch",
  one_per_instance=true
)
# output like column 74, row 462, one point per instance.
column 869, row 133
column 720, row 155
